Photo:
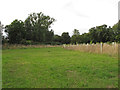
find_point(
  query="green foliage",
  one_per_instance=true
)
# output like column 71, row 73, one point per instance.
column 55, row 43
column 75, row 38
column 76, row 32
column 98, row 34
column 105, row 34
column 15, row 31
column 116, row 29
column 91, row 42
column 65, row 38
column 37, row 27
column 85, row 38
column 23, row 41
column 57, row 40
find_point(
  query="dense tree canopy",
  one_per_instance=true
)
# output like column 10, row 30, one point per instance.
column 15, row 31
column 116, row 30
column 57, row 38
column 36, row 29
column 76, row 32
column 65, row 38
column 98, row 34
column 75, row 37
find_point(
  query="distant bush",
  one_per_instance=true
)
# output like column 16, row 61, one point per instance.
column 26, row 42
column 56, row 43
column 29, row 42
column 53, row 43
column 23, row 41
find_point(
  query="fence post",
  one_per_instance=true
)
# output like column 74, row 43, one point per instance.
column 115, row 46
column 64, row 45
column 87, row 48
column 101, row 47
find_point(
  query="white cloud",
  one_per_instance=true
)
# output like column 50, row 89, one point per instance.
column 70, row 14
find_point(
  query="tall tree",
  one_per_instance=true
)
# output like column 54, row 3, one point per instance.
column 65, row 38
column 93, row 34
column 15, row 31
column 84, row 38
column 101, row 34
column 37, row 27
column 76, row 32
column 75, row 36
column 116, row 30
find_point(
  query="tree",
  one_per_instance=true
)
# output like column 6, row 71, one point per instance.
column 15, row 31
column 37, row 27
column 49, row 36
column 93, row 34
column 74, row 39
column 116, row 31
column 76, row 32
column 65, row 38
column 101, row 34
column 57, row 38
column 84, row 38
column 75, row 36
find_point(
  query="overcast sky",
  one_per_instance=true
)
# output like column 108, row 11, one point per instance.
column 69, row 14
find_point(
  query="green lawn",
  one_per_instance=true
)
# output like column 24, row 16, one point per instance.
column 57, row 68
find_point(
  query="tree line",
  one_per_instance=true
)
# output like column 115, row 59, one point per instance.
column 36, row 29
column 98, row 34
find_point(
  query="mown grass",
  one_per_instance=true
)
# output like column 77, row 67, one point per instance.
column 56, row 67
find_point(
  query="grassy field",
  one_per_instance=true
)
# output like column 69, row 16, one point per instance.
column 55, row 67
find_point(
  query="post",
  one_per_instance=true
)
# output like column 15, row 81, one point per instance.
column 87, row 48
column 64, row 45
column 101, row 47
